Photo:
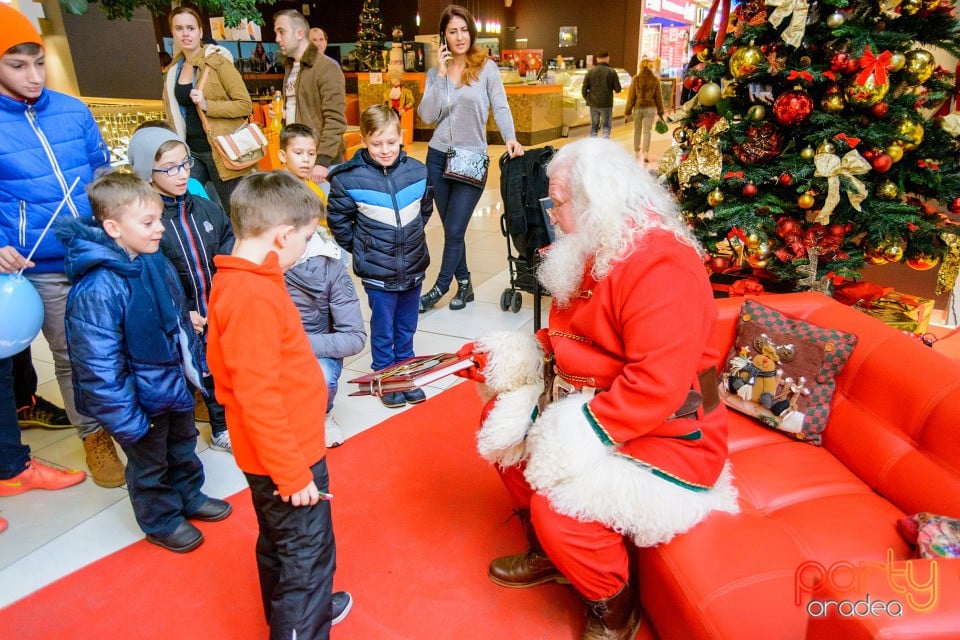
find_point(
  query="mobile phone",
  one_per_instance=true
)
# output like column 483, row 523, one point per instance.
column 443, row 40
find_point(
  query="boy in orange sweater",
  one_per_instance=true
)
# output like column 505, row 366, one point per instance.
column 275, row 397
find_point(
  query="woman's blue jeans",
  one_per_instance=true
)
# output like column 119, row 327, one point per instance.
column 455, row 204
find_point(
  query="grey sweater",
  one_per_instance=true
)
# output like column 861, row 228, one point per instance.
column 467, row 110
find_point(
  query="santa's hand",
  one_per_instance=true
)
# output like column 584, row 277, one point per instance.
column 475, row 372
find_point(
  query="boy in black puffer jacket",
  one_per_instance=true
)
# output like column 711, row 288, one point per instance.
column 379, row 204
column 195, row 230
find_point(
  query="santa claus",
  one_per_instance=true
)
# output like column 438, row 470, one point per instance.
column 628, row 444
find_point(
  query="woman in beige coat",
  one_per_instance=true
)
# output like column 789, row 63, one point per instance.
column 223, row 98
column 645, row 97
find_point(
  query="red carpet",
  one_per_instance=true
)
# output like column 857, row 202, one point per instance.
column 417, row 516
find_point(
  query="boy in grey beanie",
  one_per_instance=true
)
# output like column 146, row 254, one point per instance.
column 194, row 230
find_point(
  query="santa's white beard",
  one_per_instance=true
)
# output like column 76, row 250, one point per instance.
column 561, row 271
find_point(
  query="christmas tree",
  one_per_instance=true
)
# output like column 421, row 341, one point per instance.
column 370, row 37
column 811, row 146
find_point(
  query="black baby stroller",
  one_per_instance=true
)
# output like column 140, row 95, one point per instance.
column 524, row 223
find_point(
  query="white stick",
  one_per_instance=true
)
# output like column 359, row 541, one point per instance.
column 50, row 222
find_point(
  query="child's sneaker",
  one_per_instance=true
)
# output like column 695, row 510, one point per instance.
column 40, row 476
column 342, row 603
column 393, row 400
column 414, row 396
column 333, row 432
column 43, row 414
column 221, row 442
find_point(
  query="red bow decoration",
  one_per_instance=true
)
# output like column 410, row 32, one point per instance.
column 745, row 287
column 876, row 65
column 853, row 142
column 928, row 164
column 733, row 174
column 805, row 75
column 829, row 74
column 737, row 233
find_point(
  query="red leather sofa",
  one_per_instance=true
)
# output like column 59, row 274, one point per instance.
column 816, row 532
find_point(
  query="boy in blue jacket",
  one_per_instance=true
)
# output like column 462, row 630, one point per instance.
column 379, row 204
column 132, row 348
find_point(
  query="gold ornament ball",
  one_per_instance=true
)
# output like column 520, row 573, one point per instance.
column 763, row 251
column 909, row 134
column 680, row 135
column 887, row 190
column 753, row 241
column 836, row 19
column 826, row 147
column 892, row 251
column 745, row 62
column 867, row 94
column 808, row 152
column 833, row 102
column 756, row 261
column 757, row 112
column 705, row 54
column 874, row 255
column 715, row 197
column 918, row 66
column 709, row 94
column 923, row 262
column 730, row 91
column 895, row 151
column 910, row 7
column 897, row 60
column 806, row 201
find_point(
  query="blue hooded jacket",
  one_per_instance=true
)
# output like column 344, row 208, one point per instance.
column 131, row 343
column 46, row 146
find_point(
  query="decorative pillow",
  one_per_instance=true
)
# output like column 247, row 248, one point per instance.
column 934, row 536
column 782, row 370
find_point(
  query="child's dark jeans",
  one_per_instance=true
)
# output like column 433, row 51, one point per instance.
column 164, row 474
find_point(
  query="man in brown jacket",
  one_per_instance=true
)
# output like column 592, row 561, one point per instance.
column 313, row 89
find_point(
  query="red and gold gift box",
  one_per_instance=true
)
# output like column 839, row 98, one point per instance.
column 900, row 310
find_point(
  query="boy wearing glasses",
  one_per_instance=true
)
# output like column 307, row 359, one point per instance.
column 195, row 230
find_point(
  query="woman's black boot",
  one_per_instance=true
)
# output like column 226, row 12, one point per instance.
column 464, row 295
column 430, row 298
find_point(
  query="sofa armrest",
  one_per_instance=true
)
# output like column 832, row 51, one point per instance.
column 890, row 600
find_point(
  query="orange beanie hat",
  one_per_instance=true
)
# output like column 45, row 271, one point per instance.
column 15, row 28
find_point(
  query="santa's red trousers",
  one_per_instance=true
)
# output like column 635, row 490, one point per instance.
column 591, row 556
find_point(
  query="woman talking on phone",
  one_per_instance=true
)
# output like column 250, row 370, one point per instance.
column 458, row 96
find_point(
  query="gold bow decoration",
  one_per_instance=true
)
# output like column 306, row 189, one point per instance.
column 832, row 167
column 670, row 160
column 950, row 265
column 797, row 10
column 705, row 156
column 951, row 124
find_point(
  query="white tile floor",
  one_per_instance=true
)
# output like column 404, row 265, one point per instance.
column 54, row 533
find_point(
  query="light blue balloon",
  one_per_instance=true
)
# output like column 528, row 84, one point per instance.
column 21, row 314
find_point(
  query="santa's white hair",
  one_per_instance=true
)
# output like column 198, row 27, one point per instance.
column 614, row 203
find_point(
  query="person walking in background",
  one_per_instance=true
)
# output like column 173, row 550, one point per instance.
column 33, row 182
column 380, row 202
column 459, row 94
column 194, row 231
column 599, row 85
column 314, row 90
column 646, row 99
column 203, row 78
column 133, row 349
column 274, row 392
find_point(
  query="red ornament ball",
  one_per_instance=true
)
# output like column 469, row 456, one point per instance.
column 839, row 61
column 880, row 109
column 749, row 190
column 792, row 107
column 718, row 264
column 881, row 163
column 955, row 205
column 853, row 65
column 786, row 179
column 787, row 227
